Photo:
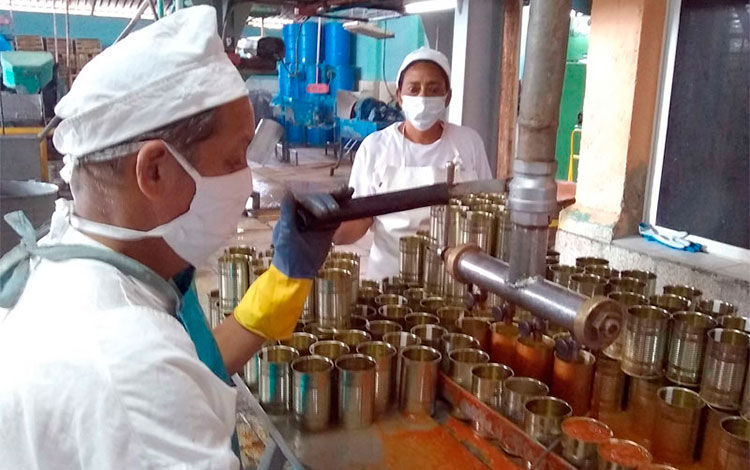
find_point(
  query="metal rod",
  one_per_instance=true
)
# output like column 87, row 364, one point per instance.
column 67, row 41
column 595, row 322
column 153, row 10
column 133, row 21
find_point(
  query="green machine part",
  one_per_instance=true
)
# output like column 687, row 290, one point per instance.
column 571, row 103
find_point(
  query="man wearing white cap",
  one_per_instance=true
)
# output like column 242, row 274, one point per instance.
column 104, row 363
column 411, row 154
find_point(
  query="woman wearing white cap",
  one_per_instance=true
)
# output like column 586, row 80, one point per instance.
column 411, row 154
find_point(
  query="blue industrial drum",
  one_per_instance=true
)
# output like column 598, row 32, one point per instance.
column 289, row 34
column 316, row 136
column 295, row 133
column 342, row 78
column 285, row 82
column 308, row 43
column 337, row 44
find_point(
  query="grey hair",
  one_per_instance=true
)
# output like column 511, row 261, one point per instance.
column 102, row 169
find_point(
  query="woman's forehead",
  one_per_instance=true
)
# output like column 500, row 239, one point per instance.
column 424, row 70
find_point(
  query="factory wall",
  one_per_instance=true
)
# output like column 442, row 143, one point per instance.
column 104, row 29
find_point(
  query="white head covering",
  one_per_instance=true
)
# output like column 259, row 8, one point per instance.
column 425, row 53
column 160, row 74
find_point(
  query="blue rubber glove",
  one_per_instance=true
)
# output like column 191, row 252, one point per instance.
column 678, row 241
column 298, row 254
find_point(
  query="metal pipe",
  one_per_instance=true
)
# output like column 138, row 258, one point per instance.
column 133, row 21
column 533, row 191
column 595, row 322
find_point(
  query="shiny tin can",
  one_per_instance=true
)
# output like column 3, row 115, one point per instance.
column 333, row 289
column 646, row 334
column 384, row 356
column 687, row 347
column 418, row 380
column 724, row 368
column 356, row 390
column 678, row 414
column 311, row 391
column 543, row 417
column 516, row 392
column 274, row 380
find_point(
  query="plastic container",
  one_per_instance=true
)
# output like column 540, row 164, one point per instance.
column 337, row 42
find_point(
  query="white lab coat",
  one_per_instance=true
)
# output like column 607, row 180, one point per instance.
column 386, row 162
column 96, row 374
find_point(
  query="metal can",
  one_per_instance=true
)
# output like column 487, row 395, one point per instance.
column 400, row 340
column 321, row 332
column 390, row 299
column 716, row 308
column 584, row 261
column 603, row 271
column 476, row 327
column 449, row 316
column 626, row 299
column 356, row 387
column 410, row 258
column 329, row 348
column 724, row 368
column 580, row 439
column 437, row 225
column 251, row 370
column 487, row 385
column 311, row 391
column 234, row 280
column 572, row 380
column 711, row 435
column 534, row 357
column 333, row 290
column 301, row 342
column 453, row 291
column 678, row 413
column 394, row 285
column 378, row 328
column 670, row 302
column 419, row 318
column 588, row 284
column 619, row 454
column 352, row 267
column 418, row 379
column 609, row 386
column 503, row 342
column 308, row 309
column 274, row 381
column 561, row 273
column 734, row 444
column 414, row 296
column 352, row 338
column 384, row 356
column 358, row 322
column 643, row 396
column 628, row 284
column 693, row 294
column 644, row 276
column 433, row 271
column 366, row 295
column 429, row 334
column 735, row 323
column 432, row 304
column 452, row 341
column 646, row 334
column 687, row 347
column 543, row 417
column 745, row 405
column 462, row 361
column 479, row 229
column 503, row 229
column 394, row 313
column 366, row 311
column 516, row 392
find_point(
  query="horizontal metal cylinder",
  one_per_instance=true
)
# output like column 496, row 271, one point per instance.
column 595, row 322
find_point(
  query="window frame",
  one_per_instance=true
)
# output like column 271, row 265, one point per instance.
column 659, row 139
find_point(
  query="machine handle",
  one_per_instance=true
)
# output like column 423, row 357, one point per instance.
column 313, row 217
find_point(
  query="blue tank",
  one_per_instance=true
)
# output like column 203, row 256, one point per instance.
column 337, row 44
column 342, row 78
column 285, row 82
column 308, row 43
column 295, row 133
column 289, row 34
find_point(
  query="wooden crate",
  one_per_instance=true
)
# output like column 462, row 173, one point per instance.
column 82, row 59
column 29, row 43
column 49, row 43
column 88, row 46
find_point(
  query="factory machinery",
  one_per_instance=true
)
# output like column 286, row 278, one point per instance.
column 486, row 352
column 315, row 77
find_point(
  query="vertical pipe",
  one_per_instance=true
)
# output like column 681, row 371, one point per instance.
column 67, row 41
column 509, row 86
column 533, row 195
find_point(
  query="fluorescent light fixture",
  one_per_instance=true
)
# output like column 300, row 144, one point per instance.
column 427, row 6
column 272, row 22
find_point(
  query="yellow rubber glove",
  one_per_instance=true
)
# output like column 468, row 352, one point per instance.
column 273, row 304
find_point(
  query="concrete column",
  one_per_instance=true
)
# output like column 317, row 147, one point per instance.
column 475, row 74
column 622, row 77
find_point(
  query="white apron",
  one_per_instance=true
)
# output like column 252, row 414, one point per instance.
column 388, row 229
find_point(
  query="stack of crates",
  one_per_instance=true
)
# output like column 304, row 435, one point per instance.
column 28, row 43
column 85, row 50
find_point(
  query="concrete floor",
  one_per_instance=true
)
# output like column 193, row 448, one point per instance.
column 273, row 181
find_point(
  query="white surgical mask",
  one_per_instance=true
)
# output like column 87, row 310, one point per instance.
column 205, row 227
column 423, row 111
